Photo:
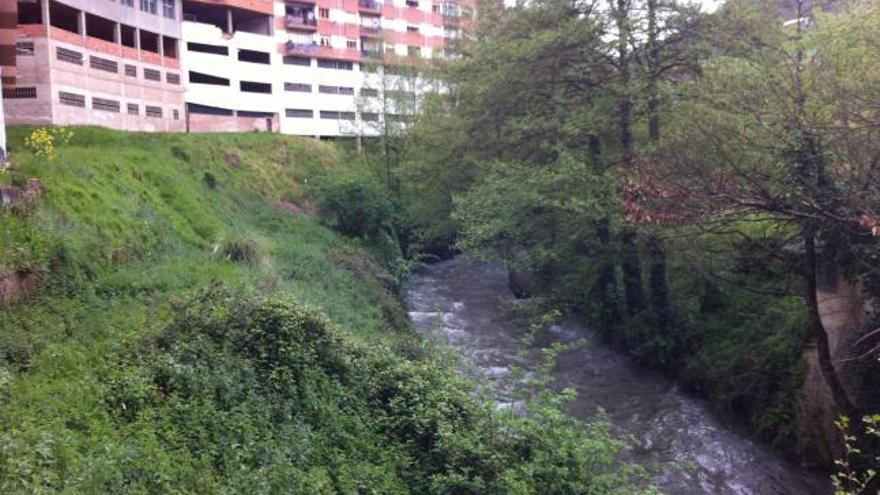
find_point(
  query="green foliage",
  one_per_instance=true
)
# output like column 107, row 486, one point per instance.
column 354, row 204
column 25, row 247
column 244, row 250
column 240, row 392
column 849, row 479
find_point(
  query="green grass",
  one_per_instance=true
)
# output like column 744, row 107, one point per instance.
column 128, row 219
column 191, row 337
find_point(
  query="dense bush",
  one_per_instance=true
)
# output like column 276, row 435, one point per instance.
column 241, row 393
column 354, row 205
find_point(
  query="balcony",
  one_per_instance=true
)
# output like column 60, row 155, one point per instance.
column 370, row 6
column 300, row 23
column 371, row 31
column 371, row 54
column 292, row 48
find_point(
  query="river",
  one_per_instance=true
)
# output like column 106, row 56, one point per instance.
column 466, row 303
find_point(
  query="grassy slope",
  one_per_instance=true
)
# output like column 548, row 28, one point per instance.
column 131, row 227
column 108, row 384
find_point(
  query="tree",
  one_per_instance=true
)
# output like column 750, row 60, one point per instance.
column 761, row 142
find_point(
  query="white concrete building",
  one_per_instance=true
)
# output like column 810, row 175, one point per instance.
column 230, row 58
column 305, row 67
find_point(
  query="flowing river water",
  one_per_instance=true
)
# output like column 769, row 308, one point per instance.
column 467, row 304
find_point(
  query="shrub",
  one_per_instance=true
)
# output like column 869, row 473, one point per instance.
column 209, row 180
column 243, row 250
column 354, row 205
column 240, row 392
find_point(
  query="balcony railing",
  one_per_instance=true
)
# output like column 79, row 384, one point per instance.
column 297, row 22
column 371, row 54
column 370, row 31
column 370, row 5
column 292, row 47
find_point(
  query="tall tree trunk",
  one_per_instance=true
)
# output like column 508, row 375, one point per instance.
column 658, row 284
column 606, row 284
column 653, row 73
column 658, row 279
column 632, row 270
column 819, row 335
column 624, row 103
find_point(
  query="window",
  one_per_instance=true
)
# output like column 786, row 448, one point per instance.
column 172, row 78
column 24, row 48
column 351, row 44
column 155, row 112
column 414, row 51
column 334, row 115
column 325, row 41
column 298, row 87
column 299, row 113
column 400, row 94
column 127, row 3
column 168, row 8
column 328, row 90
column 105, row 105
column 71, row 56
column 205, row 48
column 325, row 63
column 206, row 110
column 20, row 93
column 324, row 13
column 131, row 70
column 255, row 87
column 175, row 114
column 412, row 3
column 294, row 60
column 253, row 56
column 343, row 90
column 152, row 75
column 133, row 109
column 370, row 117
column 72, row 99
column 149, row 6
column 435, row 9
column 254, row 115
column 369, row 92
column 412, row 29
column 103, row 64
column 198, row 77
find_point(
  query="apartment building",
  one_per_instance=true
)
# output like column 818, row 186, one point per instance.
column 308, row 67
column 8, row 25
column 106, row 63
column 336, row 56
